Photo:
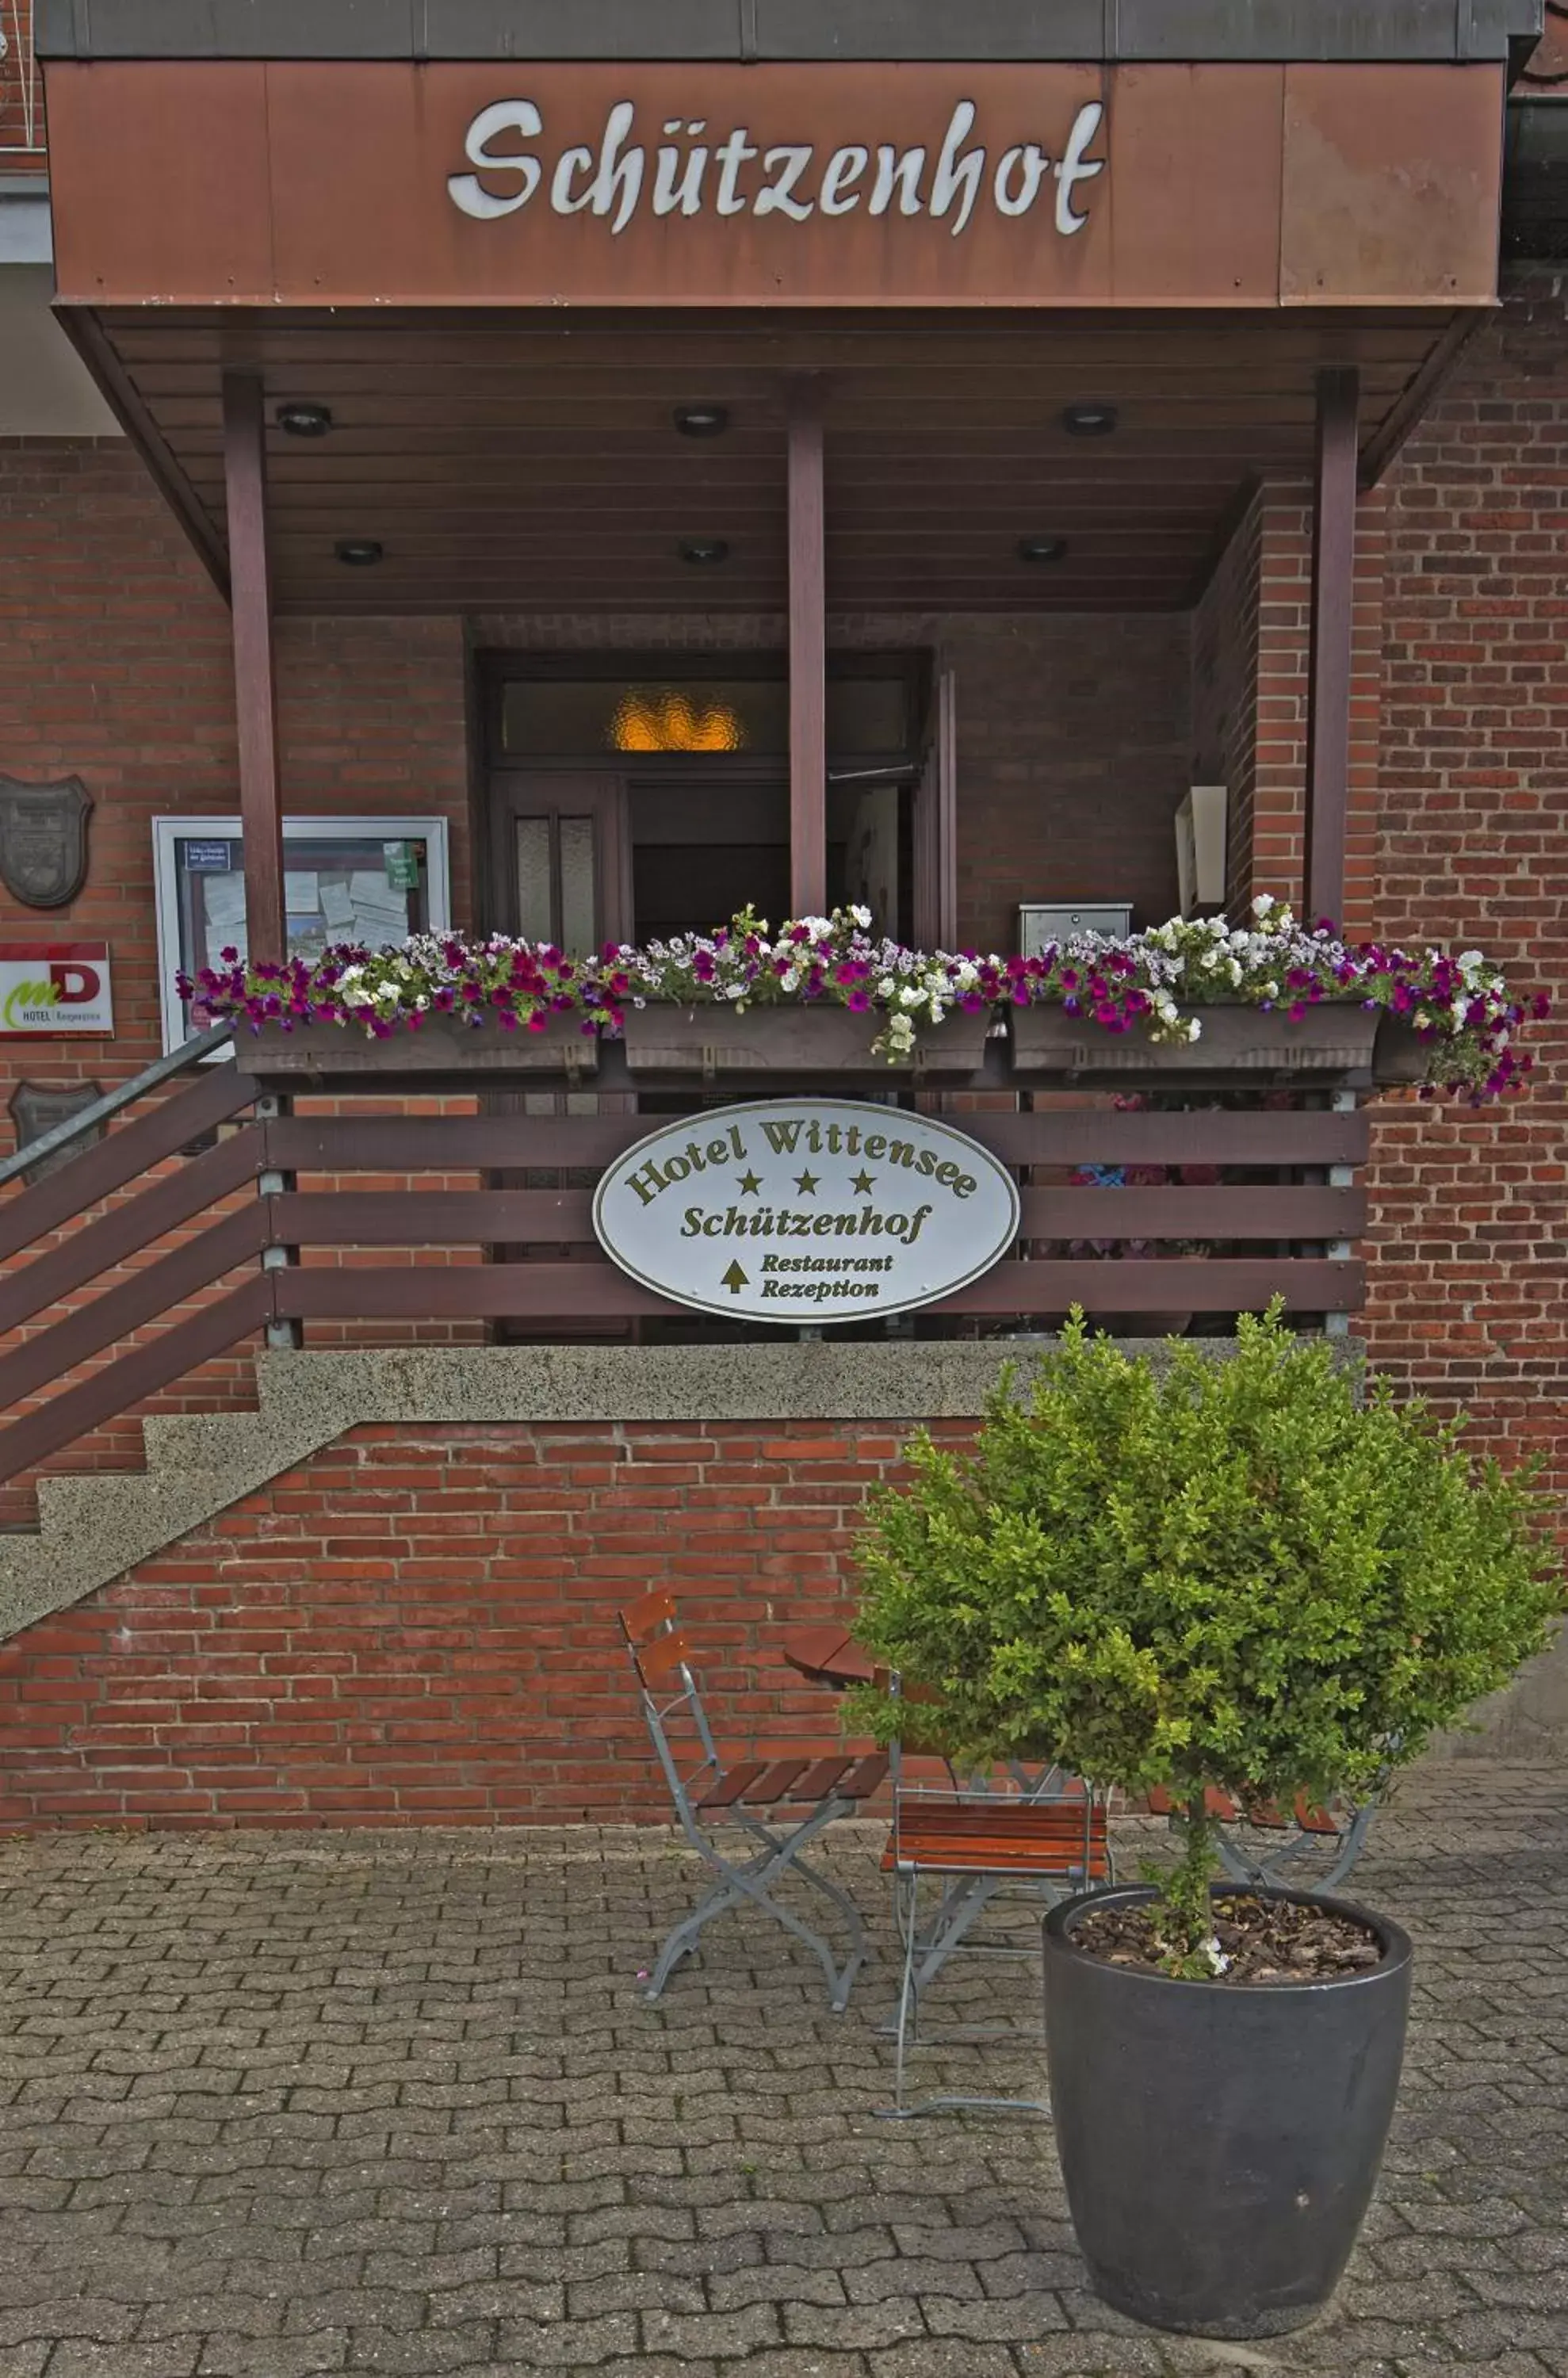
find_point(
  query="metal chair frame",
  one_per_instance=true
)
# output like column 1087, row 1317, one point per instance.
column 832, row 1787
column 1276, row 1869
column 970, row 1887
column 1305, row 1831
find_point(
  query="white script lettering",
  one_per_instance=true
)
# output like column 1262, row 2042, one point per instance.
column 612, row 181
column 1074, row 168
column 466, row 189
column 677, row 191
column 843, row 170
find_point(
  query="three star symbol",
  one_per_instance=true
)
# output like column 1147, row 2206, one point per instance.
column 749, row 1185
column 862, row 1184
column 806, row 1183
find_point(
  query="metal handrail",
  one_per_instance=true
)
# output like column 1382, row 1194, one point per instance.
column 165, row 1069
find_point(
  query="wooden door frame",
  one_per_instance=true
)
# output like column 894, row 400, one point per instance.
column 495, row 668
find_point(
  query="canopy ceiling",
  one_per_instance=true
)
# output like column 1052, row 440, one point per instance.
column 526, row 460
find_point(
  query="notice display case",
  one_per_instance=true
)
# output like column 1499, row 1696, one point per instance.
column 374, row 879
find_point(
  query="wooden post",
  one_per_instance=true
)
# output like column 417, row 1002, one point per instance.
column 808, row 655
column 245, row 467
column 1332, row 627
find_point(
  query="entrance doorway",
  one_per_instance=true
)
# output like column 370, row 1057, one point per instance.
column 631, row 799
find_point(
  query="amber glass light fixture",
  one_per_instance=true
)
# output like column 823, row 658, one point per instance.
column 648, row 719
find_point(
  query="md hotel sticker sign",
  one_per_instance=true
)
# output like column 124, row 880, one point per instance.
column 805, row 1210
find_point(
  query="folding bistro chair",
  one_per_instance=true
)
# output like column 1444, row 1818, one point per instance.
column 1052, row 1836
column 812, row 1792
column 1310, row 1848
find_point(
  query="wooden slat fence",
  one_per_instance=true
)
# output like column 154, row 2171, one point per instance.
column 1268, row 1235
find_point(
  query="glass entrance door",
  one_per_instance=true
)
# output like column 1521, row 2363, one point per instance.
column 559, row 861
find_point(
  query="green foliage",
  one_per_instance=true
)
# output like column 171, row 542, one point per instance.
column 1229, row 1572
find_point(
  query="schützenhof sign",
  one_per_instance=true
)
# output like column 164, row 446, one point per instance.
column 806, row 1211
column 319, row 182
column 691, row 171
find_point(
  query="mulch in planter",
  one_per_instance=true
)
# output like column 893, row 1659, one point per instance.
column 1266, row 1940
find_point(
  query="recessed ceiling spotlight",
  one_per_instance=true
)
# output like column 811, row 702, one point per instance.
column 1090, row 420
column 305, row 420
column 702, row 420
column 1042, row 548
column 703, row 550
column 358, row 552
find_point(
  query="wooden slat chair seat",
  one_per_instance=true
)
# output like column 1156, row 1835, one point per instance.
column 1066, row 1838
column 1318, row 1848
column 767, row 1783
column 810, row 1792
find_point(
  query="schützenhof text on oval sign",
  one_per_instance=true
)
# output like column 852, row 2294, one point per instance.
column 806, row 1211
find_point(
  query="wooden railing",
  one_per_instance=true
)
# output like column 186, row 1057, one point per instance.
column 1288, row 1233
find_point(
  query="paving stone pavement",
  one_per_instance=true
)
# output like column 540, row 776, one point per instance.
column 274, row 2105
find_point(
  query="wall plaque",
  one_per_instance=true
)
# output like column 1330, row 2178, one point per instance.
column 806, row 1211
column 43, row 840
column 36, row 1109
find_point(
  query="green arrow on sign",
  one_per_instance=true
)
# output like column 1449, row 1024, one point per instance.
column 735, row 1280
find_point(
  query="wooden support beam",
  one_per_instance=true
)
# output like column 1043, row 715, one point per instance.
column 808, row 654
column 1330, row 652
column 256, row 703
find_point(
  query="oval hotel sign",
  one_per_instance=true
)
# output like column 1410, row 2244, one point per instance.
column 806, row 1211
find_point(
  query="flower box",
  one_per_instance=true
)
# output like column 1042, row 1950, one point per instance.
column 440, row 1045
column 662, row 1038
column 1336, row 1037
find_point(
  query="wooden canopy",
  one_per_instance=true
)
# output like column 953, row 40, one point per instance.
column 526, row 461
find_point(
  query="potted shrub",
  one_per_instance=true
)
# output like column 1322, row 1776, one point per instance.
column 1230, row 1573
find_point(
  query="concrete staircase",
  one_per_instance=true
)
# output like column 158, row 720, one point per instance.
column 94, row 1526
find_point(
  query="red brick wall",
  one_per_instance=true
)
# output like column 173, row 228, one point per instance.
column 116, row 665
column 1469, row 1252
column 418, row 1627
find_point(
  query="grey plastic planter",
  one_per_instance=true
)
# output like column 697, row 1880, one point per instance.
column 1335, row 1038
column 1400, row 1057
column 1220, row 2146
column 440, row 1045
column 665, row 1039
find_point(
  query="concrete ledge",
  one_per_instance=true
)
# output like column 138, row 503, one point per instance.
column 905, row 1380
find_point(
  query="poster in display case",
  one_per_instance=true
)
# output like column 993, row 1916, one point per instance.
column 347, row 878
